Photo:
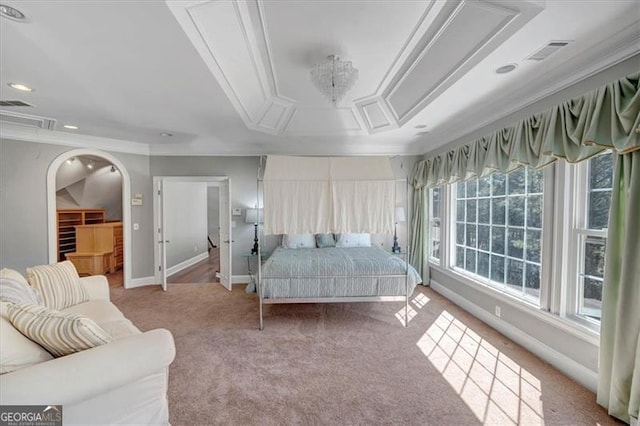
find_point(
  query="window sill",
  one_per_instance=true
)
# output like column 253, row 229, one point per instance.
column 575, row 329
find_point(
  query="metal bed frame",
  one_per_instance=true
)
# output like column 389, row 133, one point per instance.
column 350, row 299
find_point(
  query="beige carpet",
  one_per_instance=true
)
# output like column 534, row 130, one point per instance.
column 344, row 364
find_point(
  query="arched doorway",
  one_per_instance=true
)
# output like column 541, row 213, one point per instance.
column 52, row 203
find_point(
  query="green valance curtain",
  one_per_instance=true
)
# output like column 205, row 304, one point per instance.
column 605, row 118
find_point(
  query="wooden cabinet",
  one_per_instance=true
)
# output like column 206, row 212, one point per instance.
column 68, row 219
column 102, row 238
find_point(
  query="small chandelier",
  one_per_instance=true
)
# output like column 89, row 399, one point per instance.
column 334, row 77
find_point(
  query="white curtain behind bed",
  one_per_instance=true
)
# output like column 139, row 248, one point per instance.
column 312, row 195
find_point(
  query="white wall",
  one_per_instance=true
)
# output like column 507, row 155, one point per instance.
column 185, row 221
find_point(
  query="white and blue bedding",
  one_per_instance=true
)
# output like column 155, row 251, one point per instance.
column 335, row 272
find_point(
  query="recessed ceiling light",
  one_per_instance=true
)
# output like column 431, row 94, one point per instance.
column 70, row 127
column 91, row 164
column 506, row 68
column 166, row 135
column 11, row 13
column 19, row 86
column 71, row 160
column 420, row 126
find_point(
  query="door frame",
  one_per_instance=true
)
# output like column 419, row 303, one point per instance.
column 210, row 180
column 52, row 228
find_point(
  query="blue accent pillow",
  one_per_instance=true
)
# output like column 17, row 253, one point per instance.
column 325, row 240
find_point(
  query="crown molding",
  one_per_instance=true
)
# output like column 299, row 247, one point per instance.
column 576, row 68
column 54, row 137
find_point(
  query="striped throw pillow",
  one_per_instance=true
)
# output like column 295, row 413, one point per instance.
column 59, row 284
column 15, row 289
column 59, row 333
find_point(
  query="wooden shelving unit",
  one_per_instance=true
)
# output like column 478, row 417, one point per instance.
column 68, row 219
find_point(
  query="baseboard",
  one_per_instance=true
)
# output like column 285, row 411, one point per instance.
column 185, row 264
column 578, row 372
column 139, row 282
column 240, row 279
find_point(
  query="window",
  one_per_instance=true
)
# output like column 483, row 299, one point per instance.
column 591, row 234
column 435, row 212
column 537, row 235
column 498, row 231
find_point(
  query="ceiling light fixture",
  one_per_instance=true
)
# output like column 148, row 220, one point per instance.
column 334, row 77
column 21, row 87
column 11, row 13
column 113, row 169
column 506, row 68
column 166, row 135
column 70, row 127
column 91, row 164
column 71, row 160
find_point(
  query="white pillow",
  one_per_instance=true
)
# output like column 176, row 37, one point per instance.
column 17, row 351
column 14, row 288
column 59, row 284
column 354, row 240
column 58, row 332
column 298, row 241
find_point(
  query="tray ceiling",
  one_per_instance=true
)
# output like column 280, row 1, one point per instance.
column 227, row 77
column 261, row 54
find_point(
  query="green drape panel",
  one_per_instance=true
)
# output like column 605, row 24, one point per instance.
column 605, row 118
column 420, row 234
column 619, row 370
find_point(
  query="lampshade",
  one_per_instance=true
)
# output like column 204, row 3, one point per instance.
column 400, row 217
column 252, row 216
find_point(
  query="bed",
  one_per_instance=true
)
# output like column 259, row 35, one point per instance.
column 292, row 275
column 338, row 196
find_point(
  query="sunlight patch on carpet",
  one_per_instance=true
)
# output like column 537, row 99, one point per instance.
column 419, row 302
column 494, row 387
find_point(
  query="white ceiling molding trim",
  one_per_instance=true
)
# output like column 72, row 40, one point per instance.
column 477, row 27
column 53, row 137
column 230, row 38
column 606, row 54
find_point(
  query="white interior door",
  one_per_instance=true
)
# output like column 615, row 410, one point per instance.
column 226, row 242
column 162, row 237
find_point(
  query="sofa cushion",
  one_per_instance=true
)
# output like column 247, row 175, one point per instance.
column 59, row 333
column 107, row 316
column 16, row 350
column 15, row 288
column 59, row 284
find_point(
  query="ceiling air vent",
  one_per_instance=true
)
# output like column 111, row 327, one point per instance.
column 547, row 50
column 15, row 103
column 27, row 120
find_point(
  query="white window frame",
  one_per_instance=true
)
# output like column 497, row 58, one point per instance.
column 577, row 232
column 546, row 255
column 432, row 259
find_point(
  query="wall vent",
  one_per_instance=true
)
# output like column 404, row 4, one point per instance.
column 27, row 120
column 14, row 103
column 547, row 50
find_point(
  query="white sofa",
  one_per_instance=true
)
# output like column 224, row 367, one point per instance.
column 122, row 382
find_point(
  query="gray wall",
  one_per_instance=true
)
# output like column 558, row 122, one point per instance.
column 23, row 205
column 185, row 220
column 213, row 214
column 243, row 172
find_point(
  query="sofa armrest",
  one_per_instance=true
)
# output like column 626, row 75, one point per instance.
column 97, row 286
column 84, row 375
